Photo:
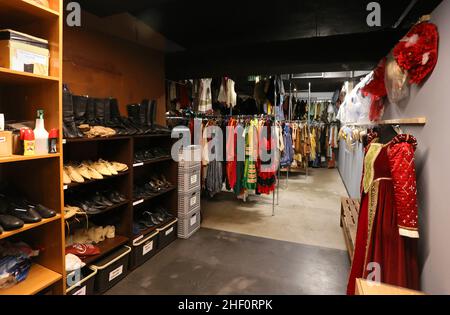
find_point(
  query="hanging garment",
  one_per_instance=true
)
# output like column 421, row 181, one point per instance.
column 227, row 94
column 250, row 175
column 205, row 101
column 266, row 169
column 231, row 153
column 288, row 154
column 214, row 181
column 388, row 222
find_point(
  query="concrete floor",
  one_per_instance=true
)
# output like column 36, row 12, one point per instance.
column 308, row 212
column 216, row 262
column 242, row 249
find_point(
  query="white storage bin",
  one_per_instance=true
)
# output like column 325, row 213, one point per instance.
column 188, row 203
column 188, row 225
column 189, row 180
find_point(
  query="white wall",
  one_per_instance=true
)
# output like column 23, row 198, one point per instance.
column 433, row 161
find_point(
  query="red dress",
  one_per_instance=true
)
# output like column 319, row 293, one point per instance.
column 387, row 226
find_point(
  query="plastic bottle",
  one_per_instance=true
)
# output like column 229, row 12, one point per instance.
column 40, row 135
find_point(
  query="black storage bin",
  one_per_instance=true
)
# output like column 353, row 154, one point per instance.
column 111, row 269
column 144, row 248
column 167, row 234
column 86, row 284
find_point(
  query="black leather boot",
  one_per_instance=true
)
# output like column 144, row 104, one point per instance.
column 146, row 106
column 70, row 130
column 100, row 112
column 111, row 121
column 155, row 126
column 133, row 115
column 90, row 111
column 79, row 106
column 117, row 120
column 143, row 117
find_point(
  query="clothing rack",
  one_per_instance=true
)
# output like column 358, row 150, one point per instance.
column 207, row 117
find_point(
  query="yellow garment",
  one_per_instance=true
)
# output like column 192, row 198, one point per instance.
column 313, row 144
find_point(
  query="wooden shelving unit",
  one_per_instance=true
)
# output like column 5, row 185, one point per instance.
column 38, row 177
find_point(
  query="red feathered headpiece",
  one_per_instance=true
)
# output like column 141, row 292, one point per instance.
column 417, row 52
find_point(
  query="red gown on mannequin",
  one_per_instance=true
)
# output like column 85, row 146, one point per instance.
column 387, row 225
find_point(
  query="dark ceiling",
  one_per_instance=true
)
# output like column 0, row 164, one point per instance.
column 239, row 37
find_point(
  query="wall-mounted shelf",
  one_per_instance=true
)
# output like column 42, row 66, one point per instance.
column 421, row 121
column 27, row 227
column 21, row 158
column 39, row 278
column 18, row 77
column 25, row 11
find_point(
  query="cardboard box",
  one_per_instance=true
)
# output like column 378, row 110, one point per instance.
column 22, row 52
column 5, row 143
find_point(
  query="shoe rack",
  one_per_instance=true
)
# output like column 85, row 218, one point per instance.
column 122, row 149
column 38, row 177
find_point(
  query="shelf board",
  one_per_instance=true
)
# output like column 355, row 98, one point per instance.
column 81, row 140
column 27, row 227
column 39, row 278
column 26, row 9
column 87, row 182
column 21, row 158
column 153, row 136
column 106, row 247
column 18, row 77
column 158, row 160
column 141, row 201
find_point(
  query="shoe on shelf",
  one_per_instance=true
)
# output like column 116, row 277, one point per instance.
column 73, row 174
column 66, row 177
column 70, row 212
column 119, row 167
column 28, row 215
column 109, row 166
column 10, row 223
column 83, row 171
column 45, row 212
column 92, row 172
column 150, row 217
column 101, row 168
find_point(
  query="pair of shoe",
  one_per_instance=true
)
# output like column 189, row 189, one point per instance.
column 15, row 211
column 150, row 154
column 91, row 170
column 95, row 203
column 153, row 218
column 152, row 187
column 93, row 234
column 97, row 131
column 143, row 116
column 95, row 116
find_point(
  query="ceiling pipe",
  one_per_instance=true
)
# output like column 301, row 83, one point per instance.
column 405, row 13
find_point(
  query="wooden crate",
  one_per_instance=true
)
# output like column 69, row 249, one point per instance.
column 349, row 222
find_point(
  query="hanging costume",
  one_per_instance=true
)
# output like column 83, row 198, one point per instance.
column 388, row 219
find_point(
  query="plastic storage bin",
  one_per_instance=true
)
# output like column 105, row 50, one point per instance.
column 189, row 180
column 86, row 284
column 188, row 225
column 191, row 156
column 188, row 203
column 167, row 234
column 144, row 248
column 111, row 270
